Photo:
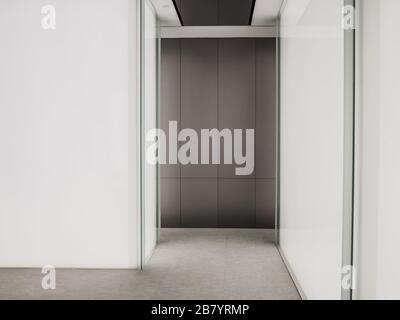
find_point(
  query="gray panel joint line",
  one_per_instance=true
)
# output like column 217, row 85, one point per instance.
column 180, row 127
column 219, row 128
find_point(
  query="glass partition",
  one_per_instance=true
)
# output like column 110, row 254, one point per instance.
column 149, row 121
column 316, row 144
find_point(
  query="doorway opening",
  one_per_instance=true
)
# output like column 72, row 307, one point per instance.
column 215, row 72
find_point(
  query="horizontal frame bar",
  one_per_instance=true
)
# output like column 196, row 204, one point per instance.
column 219, row 32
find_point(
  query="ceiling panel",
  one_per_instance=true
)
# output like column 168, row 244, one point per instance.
column 266, row 12
column 166, row 13
column 199, row 12
column 234, row 12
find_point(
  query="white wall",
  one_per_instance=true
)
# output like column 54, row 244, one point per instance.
column 312, row 124
column 150, row 87
column 379, row 237
column 68, row 135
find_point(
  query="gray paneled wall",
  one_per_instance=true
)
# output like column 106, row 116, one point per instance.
column 220, row 83
column 199, row 94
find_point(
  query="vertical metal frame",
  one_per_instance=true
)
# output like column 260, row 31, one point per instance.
column 142, row 117
column 278, row 126
column 357, row 146
column 278, row 135
column 349, row 152
column 158, row 124
column 142, row 128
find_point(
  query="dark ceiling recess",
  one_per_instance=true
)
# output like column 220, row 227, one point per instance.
column 215, row 12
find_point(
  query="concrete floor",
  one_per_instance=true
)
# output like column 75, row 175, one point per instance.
column 188, row 264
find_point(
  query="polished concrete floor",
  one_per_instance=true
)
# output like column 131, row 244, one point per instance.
column 188, row 264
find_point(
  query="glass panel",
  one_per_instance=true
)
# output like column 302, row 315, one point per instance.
column 149, row 121
column 316, row 134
